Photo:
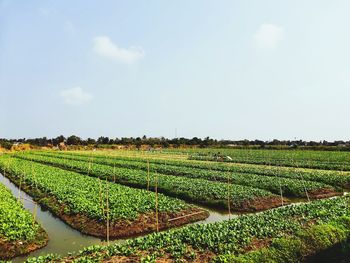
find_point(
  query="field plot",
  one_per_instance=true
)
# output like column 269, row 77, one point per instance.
column 207, row 192
column 308, row 159
column 19, row 233
column 288, row 234
column 179, row 167
column 128, row 193
column 86, row 203
column 297, row 184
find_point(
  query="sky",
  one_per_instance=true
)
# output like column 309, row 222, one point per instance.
column 225, row 69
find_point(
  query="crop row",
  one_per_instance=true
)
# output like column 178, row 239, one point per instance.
column 276, row 184
column 334, row 178
column 82, row 200
column 17, row 226
column 274, row 154
column 319, row 224
column 241, row 198
column 308, row 159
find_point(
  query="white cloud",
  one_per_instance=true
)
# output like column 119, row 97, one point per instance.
column 106, row 48
column 269, row 35
column 75, row 96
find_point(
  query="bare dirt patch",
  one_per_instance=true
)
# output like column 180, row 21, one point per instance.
column 259, row 204
column 324, row 193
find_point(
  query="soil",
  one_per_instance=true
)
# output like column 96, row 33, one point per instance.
column 259, row 204
column 256, row 244
column 206, row 256
column 324, row 193
column 145, row 223
column 11, row 249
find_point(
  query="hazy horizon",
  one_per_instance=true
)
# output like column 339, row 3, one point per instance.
column 225, row 69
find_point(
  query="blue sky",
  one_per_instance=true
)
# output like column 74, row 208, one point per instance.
column 224, row 69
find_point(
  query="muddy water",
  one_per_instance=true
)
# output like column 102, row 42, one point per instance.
column 62, row 238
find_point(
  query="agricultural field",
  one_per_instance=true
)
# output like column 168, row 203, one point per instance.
column 81, row 201
column 291, row 183
column 290, row 234
column 262, row 210
column 331, row 177
column 211, row 193
column 19, row 232
column 336, row 160
column 174, row 131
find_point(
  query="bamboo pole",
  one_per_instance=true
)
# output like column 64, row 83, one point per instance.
column 279, row 181
column 180, row 217
column 20, row 185
column 156, row 190
column 302, row 179
column 8, row 168
column 90, row 164
column 228, row 196
column 114, row 179
column 148, row 175
column 100, row 194
column 34, row 213
column 107, row 208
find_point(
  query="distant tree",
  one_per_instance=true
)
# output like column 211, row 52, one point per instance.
column 103, row 140
column 6, row 145
column 90, row 141
column 56, row 141
column 74, row 140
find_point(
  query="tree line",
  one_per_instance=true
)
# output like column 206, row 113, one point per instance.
column 174, row 142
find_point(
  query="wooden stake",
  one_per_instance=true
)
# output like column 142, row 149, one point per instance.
column 156, row 188
column 101, row 199
column 180, row 217
column 20, row 185
column 114, row 171
column 8, row 168
column 34, row 213
column 90, row 164
column 302, row 179
column 228, row 196
column 281, row 193
column 107, row 206
column 147, row 175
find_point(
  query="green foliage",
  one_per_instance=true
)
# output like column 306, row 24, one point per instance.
column 245, row 174
column 87, row 195
column 329, row 160
column 196, row 190
column 16, row 223
column 229, row 239
column 290, row 186
column 306, row 242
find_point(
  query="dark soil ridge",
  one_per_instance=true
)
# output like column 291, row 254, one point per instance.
column 144, row 224
column 259, row 204
column 323, row 193
column 11, row 249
